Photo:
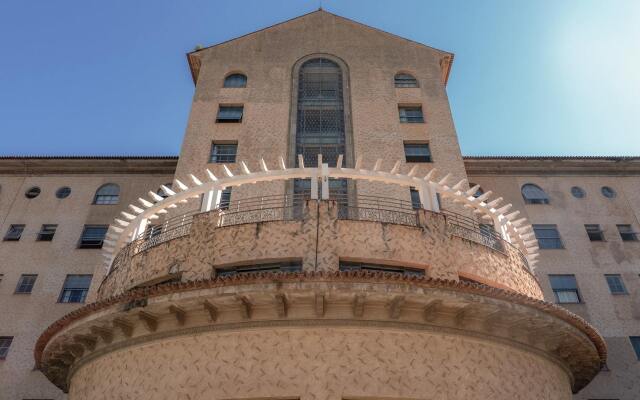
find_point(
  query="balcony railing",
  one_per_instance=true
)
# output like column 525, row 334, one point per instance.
column 378, row 209
column 470, row 229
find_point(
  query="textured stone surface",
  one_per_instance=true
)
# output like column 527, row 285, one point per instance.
column 320, row 363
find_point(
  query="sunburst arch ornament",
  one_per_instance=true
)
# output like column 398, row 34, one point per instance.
column 514, row 230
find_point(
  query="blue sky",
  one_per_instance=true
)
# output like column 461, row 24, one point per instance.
column 544, row 77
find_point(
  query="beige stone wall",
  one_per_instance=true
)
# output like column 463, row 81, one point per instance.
column 320, row 248
column 320, row 363
column 25, row 316
column 615, row 316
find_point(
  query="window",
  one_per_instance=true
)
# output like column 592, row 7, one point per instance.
column 93, row 236
column 361, row 266
column 5, row 343
column 46, row 233
column 548, row 236
column 627, row 234
column 161, row 192
column 14, row 233
column 235, row 81
column 225, row 199
column 616, row 286
column 403, row 80
column 230, row 114
column 478, row 192
column 635, row 342
column 608, row 192
column 533, row 194
column 594, row 232
column 25, row 283
column 565, row 288
column 107, row 194
column 578, row 192
column 63, row 192
column 411, row 114
column 32, row 193
column 415, row 198
column 75, row 289
column 284, row 267
column 223, row 153
column 417, row 152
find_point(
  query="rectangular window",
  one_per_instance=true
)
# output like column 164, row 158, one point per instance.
column 14, row 233
column 288, row 266
column 75, row 289
column 25, row 283
column 616, row 286
column 230, row 114
column 417, row 152
column 5, row 343
column 415, row 198
column 46, row 233
column 627, row 234
column 635, row 342
column 93, row 236
column 565, row 288
column 594, row 232
column 223, row 153
column 548, row 236
column 361, row 266
column 225, row 199
column 411, row 114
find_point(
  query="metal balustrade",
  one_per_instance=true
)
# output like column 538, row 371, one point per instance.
column 470, row 229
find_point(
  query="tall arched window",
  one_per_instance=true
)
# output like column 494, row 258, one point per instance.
column 320, row 121
column 533, row 194
column 107, row 194
column 235, row 81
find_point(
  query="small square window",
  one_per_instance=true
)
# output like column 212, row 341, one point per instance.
column 228, row 114
column 635, row 342
column 14, row 233
column 616, row 286
column 411, row 114
column 93, row 236
column 25, row 283
column 46, row 233
column 594, row 232
column 565, row 288
column 627, row 234
column 75, row 289
column 5, row 343
column 417, row 152
column 548, row 236
column 225, row 199
column 223, row 153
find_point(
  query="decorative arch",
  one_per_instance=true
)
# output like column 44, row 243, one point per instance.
column 134, row 221
column 107, row 194
column 534, row 194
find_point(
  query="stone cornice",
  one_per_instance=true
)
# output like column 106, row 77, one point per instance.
column 25, row 166
column 550, row 166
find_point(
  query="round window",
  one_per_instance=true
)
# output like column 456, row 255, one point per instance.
column 32, row 193
column 578, row 192
column 63, row 192
column 608, row 192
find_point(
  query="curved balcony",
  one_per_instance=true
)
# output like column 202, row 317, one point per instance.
column 319, row 235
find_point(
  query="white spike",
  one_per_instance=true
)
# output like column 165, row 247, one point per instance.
column 161, row 211
column 212, row 177
column 519, row 222
column 431, row 174
column 483, row 197
column 263, row 165
column 472, row 191
column 528, row 235
column 300, row 161
column 145, row 202
column 121, row 222
column 116, row 229
column 487, row 216
column 512, row 215
column 413, row 171
column 320, row 160
column 155, row 196
column 167, row 190
column 172, row 206
column 153, row 216
column 244, row 167
column 109, row 243
column 494, row 202
column 396, row 168
column 136, row 209
column 444, row 180
column 532, row 249
column 533, row 256
column 112, row 235
column 358, row 163
column 459, row 185
column 181, row 185
column 227, row 171
column 377, row 165
column 504, row 209
column 283, row 165
column 530, row 242
column 339, row 162
column 127, row 215
column 195, row 180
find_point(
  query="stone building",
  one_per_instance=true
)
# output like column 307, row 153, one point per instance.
column 320, row 236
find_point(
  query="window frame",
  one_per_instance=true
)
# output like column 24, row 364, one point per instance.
column 416, row 203
column 618, row 287
column 578, row 192
column 612, row 194
column 83, row 295
column 25, row 288
column 46, row 236
column 403, row 80
column 548, row 227
column 231, row 158
column 83, row 245
column 635, row 344
column 428, row 158
column 101, row 199
column 594, row 235
column 8, row 237
column 534, row 200
column 5, row 345
column 556, row 290
column 410, row 119
column 630, row 236
column 230, row 76
column 33, row 192
column 228, row 108
column 63, row 192
column 348, row 266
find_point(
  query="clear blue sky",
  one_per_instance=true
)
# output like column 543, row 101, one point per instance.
column 544, row 77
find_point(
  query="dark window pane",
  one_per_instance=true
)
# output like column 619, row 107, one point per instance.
column 230, row 114
column 223, row 152
column 578, row 192
column 63, row 192
column 93, row 236
column 235, row 81
column 635, row 342
column 284, row 267
column 405, row 80
column 594, row 232
column 225, row 199
column 565, row 288
column 533, row 194
column 361, row 266
column 415, row 199
column 410, row 114
column 47, row 232
column 5, row 343
column 32, row 193
column 417, row 152
column 608, row 192
column 14, row 232
column 75, row 289
column 627, row 234
column 616, row 286
column 548, row 237
column 107, row 194
column 25, row 283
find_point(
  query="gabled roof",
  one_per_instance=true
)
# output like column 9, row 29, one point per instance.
column 193, row 57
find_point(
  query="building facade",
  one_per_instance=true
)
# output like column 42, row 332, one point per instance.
column 318, row 237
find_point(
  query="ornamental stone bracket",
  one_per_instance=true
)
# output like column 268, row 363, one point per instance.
column 321, row 299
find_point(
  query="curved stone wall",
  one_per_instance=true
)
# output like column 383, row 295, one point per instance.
column 320, row 363
column 321, row 240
